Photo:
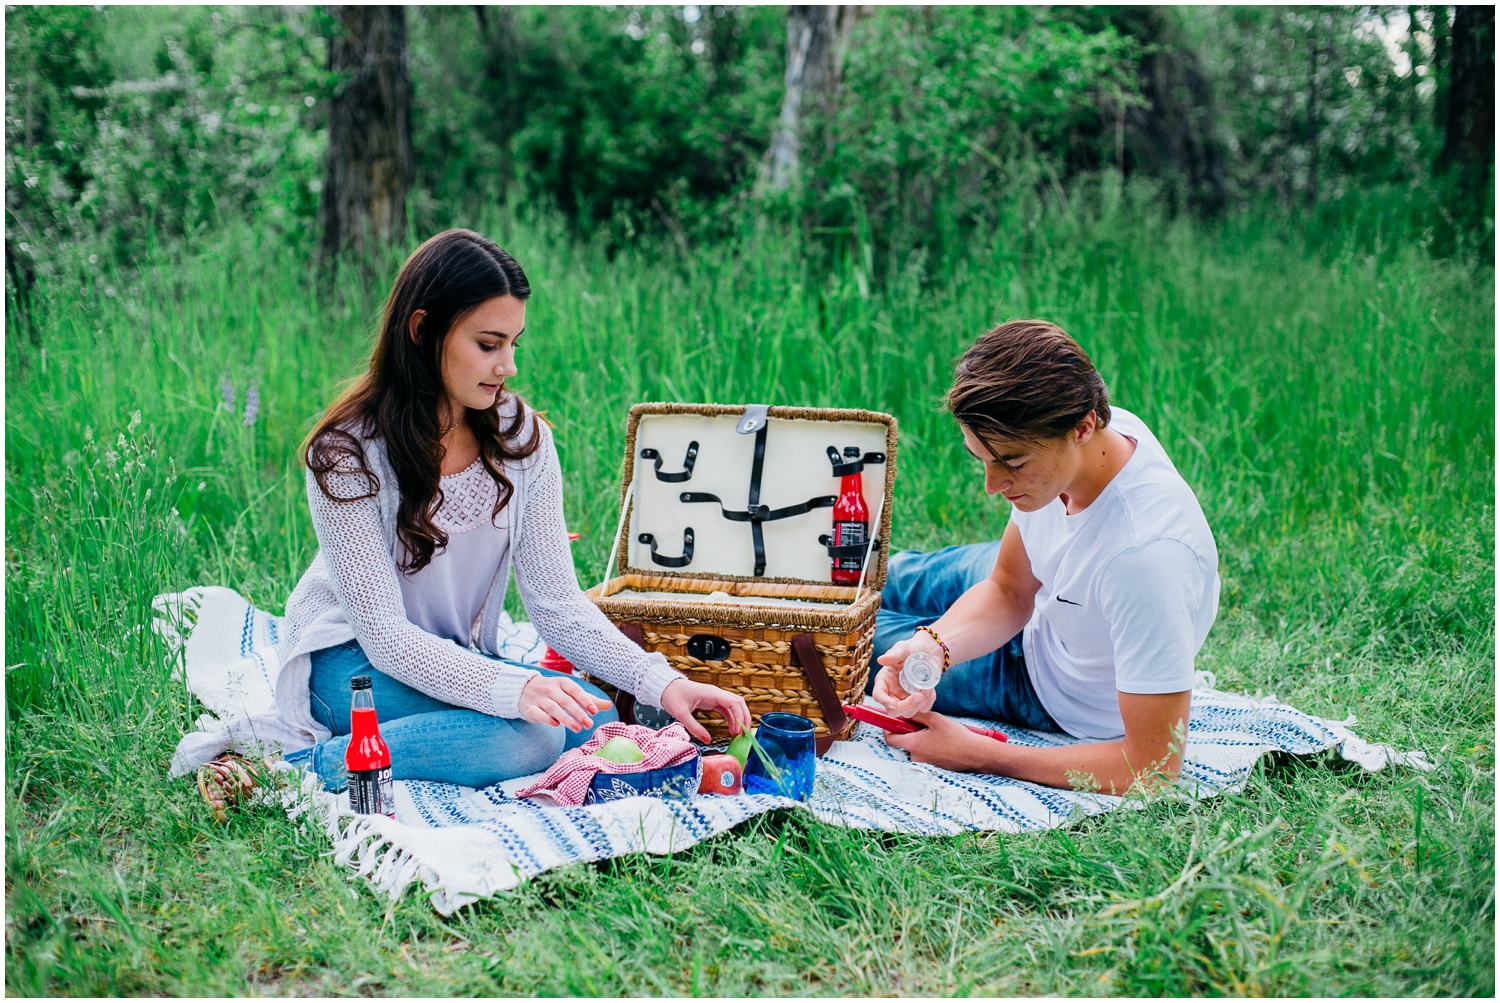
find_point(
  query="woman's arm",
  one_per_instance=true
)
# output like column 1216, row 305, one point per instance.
column 576, row 628
column 983, row 618
column 548, row 582
column 1155, row 728
column 365, row 581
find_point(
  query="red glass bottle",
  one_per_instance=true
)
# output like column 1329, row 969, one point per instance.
column 367, row 759
column 851, row 521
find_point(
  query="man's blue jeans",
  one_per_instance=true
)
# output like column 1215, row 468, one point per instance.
column 429, row 739
column 919, row 588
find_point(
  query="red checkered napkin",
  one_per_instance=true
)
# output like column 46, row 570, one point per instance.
column 567, row 782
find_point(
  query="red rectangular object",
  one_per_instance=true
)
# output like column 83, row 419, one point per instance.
column 904, row 726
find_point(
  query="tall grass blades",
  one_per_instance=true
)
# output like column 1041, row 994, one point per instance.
column 1332, row 409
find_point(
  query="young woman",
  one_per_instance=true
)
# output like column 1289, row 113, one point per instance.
column 427, row 481
column 1088, row 613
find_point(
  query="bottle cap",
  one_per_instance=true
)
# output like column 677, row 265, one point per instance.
column 920, row 671
column 852, row 452
column 359, row 683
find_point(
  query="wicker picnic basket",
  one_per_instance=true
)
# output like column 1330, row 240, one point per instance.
column 749, row 613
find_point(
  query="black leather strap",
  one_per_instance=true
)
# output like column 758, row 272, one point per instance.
column 851, row 550
column 841, row 468
column 757, row 535
column 761, row 514
column 687, row 463
column 671, row 562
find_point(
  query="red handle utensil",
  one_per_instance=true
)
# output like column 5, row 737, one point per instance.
column 904, row 726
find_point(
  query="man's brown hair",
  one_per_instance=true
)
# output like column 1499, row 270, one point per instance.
column 1026, row 381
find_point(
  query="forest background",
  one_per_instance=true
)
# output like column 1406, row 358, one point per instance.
column 1272, row 227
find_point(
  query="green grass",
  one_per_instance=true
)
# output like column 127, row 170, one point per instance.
column 1333, row 410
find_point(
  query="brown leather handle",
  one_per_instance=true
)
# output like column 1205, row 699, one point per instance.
column 805, row 654
column 625, row 702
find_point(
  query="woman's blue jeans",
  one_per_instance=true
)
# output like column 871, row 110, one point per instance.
column 919, row 588
column 429, row 739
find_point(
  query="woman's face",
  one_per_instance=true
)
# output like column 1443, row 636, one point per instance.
column 1031, row 475
column 480, row 353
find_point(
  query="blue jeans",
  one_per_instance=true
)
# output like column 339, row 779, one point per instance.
column 429, row 739
column 919, row 588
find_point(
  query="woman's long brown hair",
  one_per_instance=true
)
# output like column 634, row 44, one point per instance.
column 398, row 398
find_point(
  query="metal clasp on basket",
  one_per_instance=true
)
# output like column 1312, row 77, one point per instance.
column 753, row 420
column 708, row 648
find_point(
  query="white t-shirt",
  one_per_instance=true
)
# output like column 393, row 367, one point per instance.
column 1130, row 587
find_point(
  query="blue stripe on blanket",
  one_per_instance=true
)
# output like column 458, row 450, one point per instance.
column 862, row 783
column 467, row 844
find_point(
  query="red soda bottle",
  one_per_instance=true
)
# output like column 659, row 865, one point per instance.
column 367, row 759
column 851, row 520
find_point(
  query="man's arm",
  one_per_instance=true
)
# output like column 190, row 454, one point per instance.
column 983, row 618
column 1155, row 726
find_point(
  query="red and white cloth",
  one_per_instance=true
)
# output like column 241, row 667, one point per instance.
column 567, row 782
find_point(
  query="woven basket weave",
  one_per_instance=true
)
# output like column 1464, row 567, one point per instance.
column 761, row 666
column 767, row 645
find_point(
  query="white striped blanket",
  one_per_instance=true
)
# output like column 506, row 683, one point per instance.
column 463, row 844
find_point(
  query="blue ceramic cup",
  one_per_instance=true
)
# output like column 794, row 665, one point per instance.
column 787, row 743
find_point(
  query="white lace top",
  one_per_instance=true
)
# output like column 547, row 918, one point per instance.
column 353, row 590
column 446, row 597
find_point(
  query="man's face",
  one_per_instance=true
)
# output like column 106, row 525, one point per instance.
column 1030, row 474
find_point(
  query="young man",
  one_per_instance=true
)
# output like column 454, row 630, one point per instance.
column 1088, row 613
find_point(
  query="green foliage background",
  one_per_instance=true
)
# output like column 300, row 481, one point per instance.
column 125, row 122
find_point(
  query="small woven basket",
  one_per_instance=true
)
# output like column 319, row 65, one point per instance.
column 807, row 659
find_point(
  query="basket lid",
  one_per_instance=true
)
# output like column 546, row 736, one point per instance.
column 746, row 493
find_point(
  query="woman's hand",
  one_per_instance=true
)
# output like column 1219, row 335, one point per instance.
column 683, row 696
column 558, row 702
column 888, row 689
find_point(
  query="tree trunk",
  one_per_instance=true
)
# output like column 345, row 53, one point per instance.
column 369, row 165
column 1175, row 130
column 1469, row 126
column 816, row 37
column 502, row 55
column 1314, row 121
column 1467, row 114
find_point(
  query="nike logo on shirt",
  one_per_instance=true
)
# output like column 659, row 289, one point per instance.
column 1069, row 601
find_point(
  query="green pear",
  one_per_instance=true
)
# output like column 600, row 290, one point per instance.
column 620, row 750
column 739, row 747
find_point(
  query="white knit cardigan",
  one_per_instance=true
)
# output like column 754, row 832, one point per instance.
column 351, row 591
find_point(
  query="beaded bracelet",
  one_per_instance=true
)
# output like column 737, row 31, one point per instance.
column 947, row 657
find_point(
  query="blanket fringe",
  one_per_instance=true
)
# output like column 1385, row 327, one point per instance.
column 357, row 840
column 380, row 853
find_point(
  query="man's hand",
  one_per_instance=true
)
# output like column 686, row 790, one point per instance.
column 683, row 696
column 944, row 743
column 558, row 702
column 888, row 689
